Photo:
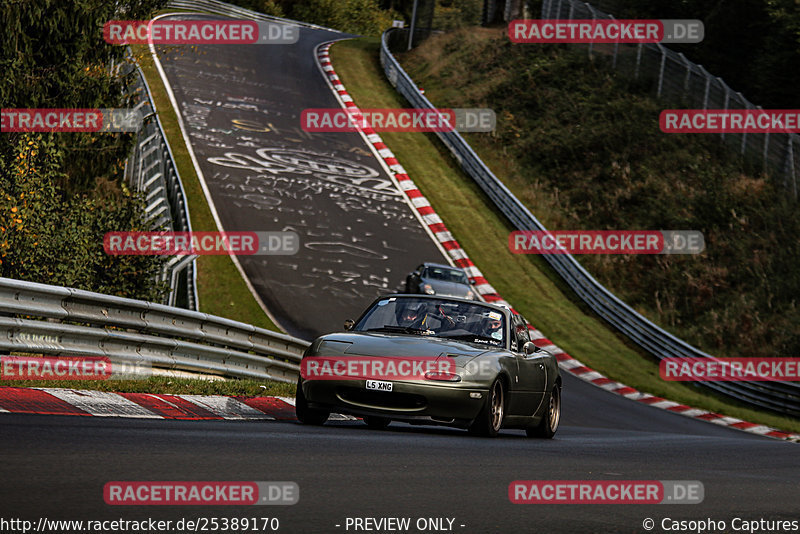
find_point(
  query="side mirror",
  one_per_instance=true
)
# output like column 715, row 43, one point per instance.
column 349, row 324
column 529, row 348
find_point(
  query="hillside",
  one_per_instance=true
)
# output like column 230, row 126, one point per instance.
column 582, row 148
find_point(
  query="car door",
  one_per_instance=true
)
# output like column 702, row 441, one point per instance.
column 528, row 393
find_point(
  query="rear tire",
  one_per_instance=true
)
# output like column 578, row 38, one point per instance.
column 377, row 423
column 306, row 415
column 490, row 420
column 547, row 427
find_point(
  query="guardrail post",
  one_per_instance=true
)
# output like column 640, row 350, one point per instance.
column 791, row 173
column 744, row 134
column 616, row 49
column 765, row 153
column 661, row 69
column 594, row 17
column 727, row 102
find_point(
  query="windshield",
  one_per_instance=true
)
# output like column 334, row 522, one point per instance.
column 474, row 323
column 445, row 275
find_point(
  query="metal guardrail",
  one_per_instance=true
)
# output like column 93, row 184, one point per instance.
column 59, row 321
column 783, row 397
column 42, row 319
column 151, row 170
column 675, row 77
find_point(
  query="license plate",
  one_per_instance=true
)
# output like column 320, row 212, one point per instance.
column 378, row 385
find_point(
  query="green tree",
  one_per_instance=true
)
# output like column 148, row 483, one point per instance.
column 363, row 17
column 268, row 7
column 60, row 192
column 49, row 237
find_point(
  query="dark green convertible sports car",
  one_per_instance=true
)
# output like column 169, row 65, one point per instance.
column 433, row 360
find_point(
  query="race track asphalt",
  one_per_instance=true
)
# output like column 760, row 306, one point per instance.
column 359, row 238
column 56, row 467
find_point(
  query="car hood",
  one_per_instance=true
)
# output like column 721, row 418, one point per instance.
column 448, row 289
column 397, row 345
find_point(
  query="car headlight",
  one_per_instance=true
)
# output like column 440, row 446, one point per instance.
column 428, row 289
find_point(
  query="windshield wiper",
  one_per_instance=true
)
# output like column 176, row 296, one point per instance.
column 403, row 329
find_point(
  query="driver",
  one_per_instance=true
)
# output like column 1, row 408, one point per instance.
column 413, row 316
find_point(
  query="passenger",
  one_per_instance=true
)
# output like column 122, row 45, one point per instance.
column 493, row 328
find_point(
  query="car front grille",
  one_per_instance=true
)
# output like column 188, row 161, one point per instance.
column 381, row 399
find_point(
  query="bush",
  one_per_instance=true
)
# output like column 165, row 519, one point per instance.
column 60, row 192
column 584, row 145
column 52, row 238
column 362, row 17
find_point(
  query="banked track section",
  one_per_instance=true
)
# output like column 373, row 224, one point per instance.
column 240, row 108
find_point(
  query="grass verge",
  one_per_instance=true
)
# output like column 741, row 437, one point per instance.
column 581, row 145
column 169, row 386
column 524, row 281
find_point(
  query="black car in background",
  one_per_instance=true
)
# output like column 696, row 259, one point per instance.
column 437, row 279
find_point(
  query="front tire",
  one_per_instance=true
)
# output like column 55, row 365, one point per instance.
column 490, row 420
column 304, row 414
column 547, row 427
